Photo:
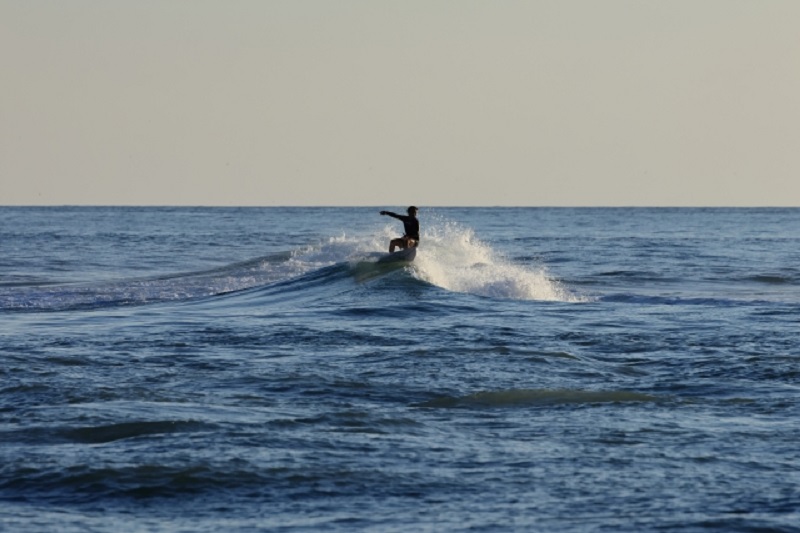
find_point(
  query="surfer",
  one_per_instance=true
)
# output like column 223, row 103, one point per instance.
column 411, row 237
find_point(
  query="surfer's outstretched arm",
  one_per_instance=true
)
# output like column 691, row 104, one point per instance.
column 395, row 215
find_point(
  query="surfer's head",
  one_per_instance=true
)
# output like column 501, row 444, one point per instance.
column 412, row 211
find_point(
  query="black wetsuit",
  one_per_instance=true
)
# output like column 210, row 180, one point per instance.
column 411, row 224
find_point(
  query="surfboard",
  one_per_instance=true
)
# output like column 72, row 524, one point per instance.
column 402, row 255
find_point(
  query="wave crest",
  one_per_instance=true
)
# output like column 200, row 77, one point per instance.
column 453, row 258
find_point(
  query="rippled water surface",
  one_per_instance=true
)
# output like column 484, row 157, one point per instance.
column 211, row 369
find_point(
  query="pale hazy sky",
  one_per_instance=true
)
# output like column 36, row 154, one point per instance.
column 461, row 102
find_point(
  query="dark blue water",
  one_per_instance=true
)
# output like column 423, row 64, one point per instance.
column 210, row 369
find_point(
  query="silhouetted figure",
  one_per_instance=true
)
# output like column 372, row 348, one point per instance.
column 411, row 237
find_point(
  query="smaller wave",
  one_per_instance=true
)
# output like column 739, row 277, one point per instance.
column 773, row 279
column 536, row 397
column 103, row 433
column 128, row 430
column 636, row 276
column 681, row 301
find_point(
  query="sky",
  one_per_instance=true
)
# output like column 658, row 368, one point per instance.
column 426, row 102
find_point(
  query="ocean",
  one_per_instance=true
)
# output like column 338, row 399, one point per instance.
column 534, row 369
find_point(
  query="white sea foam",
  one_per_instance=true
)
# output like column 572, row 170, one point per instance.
column 453, row 258
column 450, row 257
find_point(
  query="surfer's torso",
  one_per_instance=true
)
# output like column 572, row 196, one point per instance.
column 410, row 224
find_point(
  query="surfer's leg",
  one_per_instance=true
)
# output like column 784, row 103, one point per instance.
column 400, row 242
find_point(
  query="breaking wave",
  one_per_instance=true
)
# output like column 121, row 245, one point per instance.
column 450, row 257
